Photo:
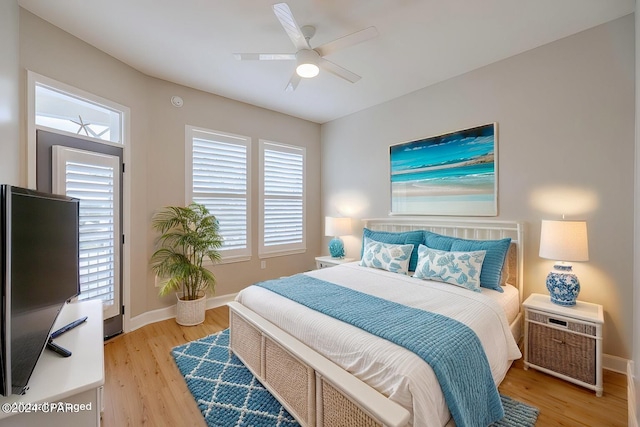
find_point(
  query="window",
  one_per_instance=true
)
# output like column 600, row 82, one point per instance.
column 62, row 111
column 282, row 199
column 218, row 177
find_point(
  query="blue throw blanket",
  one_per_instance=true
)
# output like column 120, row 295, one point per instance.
column 452, row 349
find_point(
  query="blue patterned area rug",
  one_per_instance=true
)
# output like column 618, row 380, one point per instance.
column 228, row 395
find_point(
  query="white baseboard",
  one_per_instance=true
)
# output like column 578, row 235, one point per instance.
column 170, row 312
column 614, row 363
column 631, row 395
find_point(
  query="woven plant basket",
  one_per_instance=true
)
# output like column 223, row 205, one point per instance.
column 190, row 313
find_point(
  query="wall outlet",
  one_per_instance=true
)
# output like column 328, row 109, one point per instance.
column 157, row 281
column 263, row 264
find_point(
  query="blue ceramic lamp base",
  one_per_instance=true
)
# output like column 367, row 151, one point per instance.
column 563, row 285
column 336, row 248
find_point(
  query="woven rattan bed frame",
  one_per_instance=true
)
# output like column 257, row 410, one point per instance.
column 315, row 390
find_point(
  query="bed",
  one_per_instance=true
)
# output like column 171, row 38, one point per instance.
column 330, row 373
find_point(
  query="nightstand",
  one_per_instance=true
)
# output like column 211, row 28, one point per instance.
column 327, row 261
column 564, row 341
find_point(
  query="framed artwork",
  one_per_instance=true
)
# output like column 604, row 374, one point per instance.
column 451, row 174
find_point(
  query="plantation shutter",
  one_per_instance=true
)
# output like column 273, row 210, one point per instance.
column 94, row 179
column 282, row 185
column 219, row 180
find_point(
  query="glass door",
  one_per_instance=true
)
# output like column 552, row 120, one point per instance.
column 77, row 168
column 94, row 178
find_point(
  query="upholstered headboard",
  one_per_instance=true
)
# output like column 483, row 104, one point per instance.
column 465, row 229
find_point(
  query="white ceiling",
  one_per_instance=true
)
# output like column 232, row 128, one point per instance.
column 420, row 42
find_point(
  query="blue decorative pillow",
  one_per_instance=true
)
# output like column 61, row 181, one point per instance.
column 408, row 237
column 458, row 268
column 493, row 260
column 438, row 241
column 387, row 256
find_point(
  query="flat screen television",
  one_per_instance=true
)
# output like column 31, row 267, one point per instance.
column 39, row 250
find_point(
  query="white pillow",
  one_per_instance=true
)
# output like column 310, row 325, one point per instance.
column 457, row 268
column 386, row 256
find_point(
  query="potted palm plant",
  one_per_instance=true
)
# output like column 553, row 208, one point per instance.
column 189, row 235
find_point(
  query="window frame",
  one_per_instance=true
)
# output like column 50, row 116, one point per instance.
column 191, row 132
column 115, row 126
column 35, row 79
column 283, row 249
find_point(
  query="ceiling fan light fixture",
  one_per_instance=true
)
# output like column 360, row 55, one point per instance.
column 307, row 70
column 307, row 60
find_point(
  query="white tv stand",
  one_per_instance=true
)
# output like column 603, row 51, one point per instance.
column 64, row 382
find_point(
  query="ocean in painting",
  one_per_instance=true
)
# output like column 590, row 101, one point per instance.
column 455, row 170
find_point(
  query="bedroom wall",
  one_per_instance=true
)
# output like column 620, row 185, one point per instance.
column 167, row 168
column 635, row 405
column 51, row 52
column 10, row 171
column 156, row 168
column 565, row 114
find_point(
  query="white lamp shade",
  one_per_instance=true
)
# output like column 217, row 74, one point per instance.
column 564, row 240
column 337, row 226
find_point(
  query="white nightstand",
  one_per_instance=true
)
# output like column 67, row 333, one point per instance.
column 564, row 341
column 327, row 261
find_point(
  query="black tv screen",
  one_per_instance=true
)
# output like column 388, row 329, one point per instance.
column 41, row 260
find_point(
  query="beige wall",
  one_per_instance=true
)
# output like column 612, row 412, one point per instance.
column 10, row 153
column 565, row 114
column 636, row 278
column 156, row 169
column 166, row 168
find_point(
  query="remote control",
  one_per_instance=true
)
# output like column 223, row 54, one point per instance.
column 56, row 348
column 68, row 327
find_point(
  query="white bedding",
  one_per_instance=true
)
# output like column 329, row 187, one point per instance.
column 394, row 371
column 509, row 300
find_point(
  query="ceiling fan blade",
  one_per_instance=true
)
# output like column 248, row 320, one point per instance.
column 264, row 56
column 288, row 22
column 338, row 70
column 348, row 40
column 293, row 82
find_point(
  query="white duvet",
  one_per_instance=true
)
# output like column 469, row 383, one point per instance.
column 392, row 370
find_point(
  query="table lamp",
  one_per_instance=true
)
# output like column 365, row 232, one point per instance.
column 336, row 227
column 564, row 242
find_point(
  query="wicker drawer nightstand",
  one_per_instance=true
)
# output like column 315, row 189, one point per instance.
column 564, row 341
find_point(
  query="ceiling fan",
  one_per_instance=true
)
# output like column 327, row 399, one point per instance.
column 309, row 60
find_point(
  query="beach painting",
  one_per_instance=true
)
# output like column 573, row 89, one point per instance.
column 450, row 174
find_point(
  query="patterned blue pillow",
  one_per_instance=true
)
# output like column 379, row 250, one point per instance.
column 458, row 268
column 386, row 256
column 413, row 237
column 493, row 261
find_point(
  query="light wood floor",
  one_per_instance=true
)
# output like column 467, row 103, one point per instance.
column 144, row 387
